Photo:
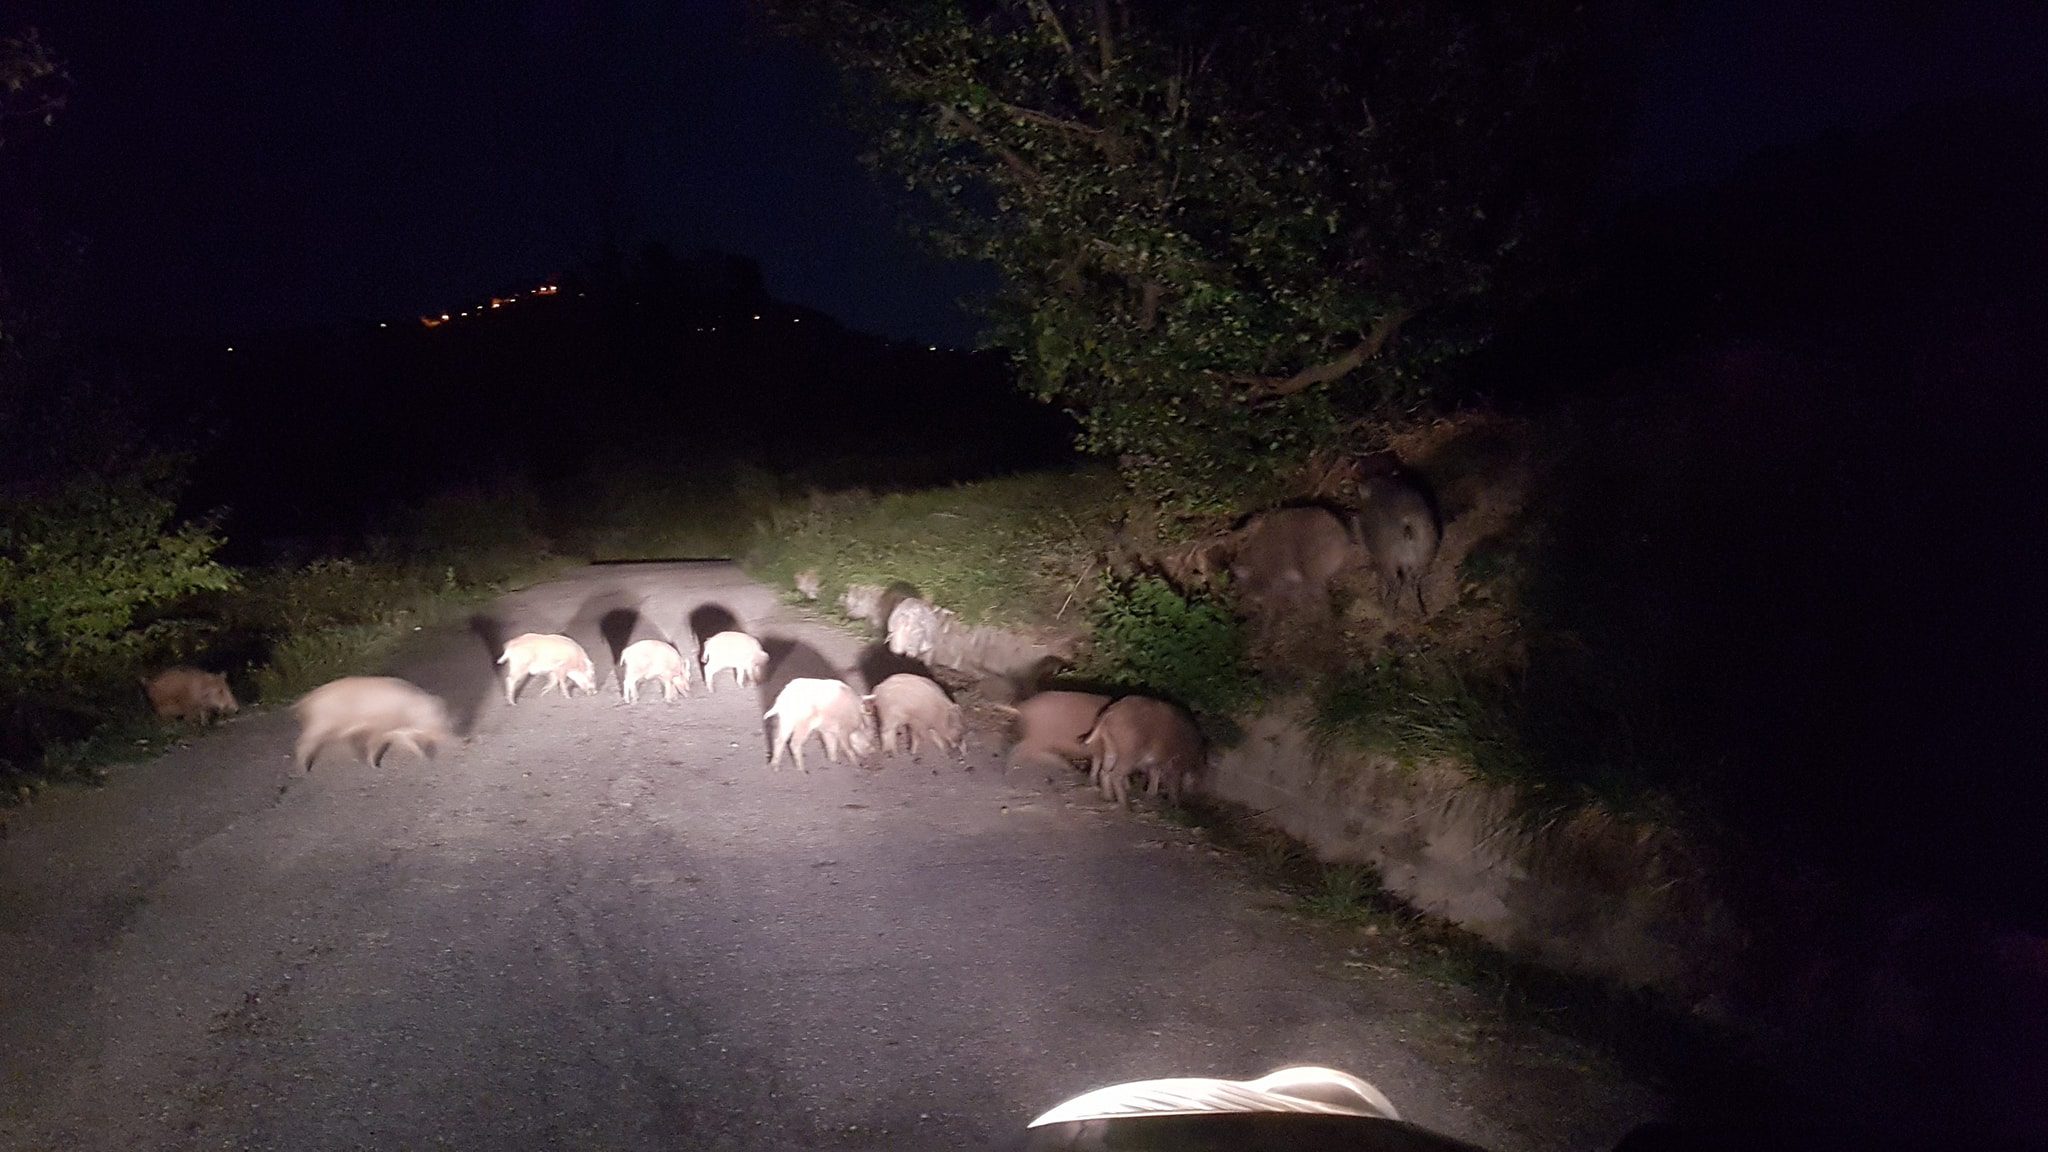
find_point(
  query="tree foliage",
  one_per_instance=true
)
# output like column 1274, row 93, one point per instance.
column 33, row 82
column 82, row 567
column 1226, row 230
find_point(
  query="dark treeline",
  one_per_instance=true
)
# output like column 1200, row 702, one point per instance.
column 634, row 365
column 1797, row 551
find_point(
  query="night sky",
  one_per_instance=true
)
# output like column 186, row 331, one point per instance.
column 251, row 164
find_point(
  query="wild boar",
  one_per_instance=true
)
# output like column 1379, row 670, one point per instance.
column 1052, row 725
column 372, row 713
column 653, row 660
column 909, row 701
column 827, row 707
column 915, row 628
column 1140, row 734
column 861, row 601
column 1287, row 557
column 557, row 657
column 184, row 693
column 737, row 651
column 807, row 583
column 873, row 603
column 1398, row 526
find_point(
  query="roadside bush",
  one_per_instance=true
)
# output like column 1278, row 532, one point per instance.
column 88, row 573
column 654, row 513
column 482, row 534
column 1191, row 649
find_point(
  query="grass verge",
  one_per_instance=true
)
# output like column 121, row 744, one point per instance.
column 1014, row 549
column 1625, row 1026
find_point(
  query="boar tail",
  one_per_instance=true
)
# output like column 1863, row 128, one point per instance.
column 1093, row 730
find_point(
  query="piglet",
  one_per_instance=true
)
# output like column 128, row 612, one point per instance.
column 827, row 707
column 653, row 660
column 557, row 657
column 373, row 713
column 1140, row 734
column 917, row 703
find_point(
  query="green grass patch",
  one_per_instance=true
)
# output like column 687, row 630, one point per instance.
column 1008, row 550
column 1152, row 637
column 1397, row 707
column 1417, row 711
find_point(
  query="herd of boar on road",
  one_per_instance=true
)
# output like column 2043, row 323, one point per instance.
column 1281, row 556
column 374, row 714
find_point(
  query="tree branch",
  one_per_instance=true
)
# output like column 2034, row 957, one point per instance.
column 953, row 118
column 1049, row 17
column 1113, row 146
column 1274, row 387
column 1103, row 39
column 1148, row 304
column 1034, row 116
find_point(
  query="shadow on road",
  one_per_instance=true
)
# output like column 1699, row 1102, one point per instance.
column 708, row 620
column 604, row 614
column 617, row 627
column 877, row 663
column 466, row 690
column 789, row 660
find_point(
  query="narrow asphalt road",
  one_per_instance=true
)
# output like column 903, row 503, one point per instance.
column 596, row 926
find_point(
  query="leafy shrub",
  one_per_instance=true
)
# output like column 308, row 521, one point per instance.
column 87, row 572
column 483, row 535
column 1149, row 635
column 653, row 513
column 82, row 568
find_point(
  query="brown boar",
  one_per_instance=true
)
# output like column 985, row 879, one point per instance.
column 558, row 658
column 917, row 703
column 1398, row 526
column 862, row 601
column 184, row 693
column 737, row 652
column 372, row 713
column 827, row 707
column 1052, row 725
column 653, row 660
column 1287, row 557
column 1140, row 734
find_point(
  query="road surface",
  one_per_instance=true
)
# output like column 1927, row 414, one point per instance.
column 596, row 926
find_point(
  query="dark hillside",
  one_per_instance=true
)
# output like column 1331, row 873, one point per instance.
column 676, row 366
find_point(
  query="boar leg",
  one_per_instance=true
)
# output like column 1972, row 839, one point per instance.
column 802, row 737
column 309, row 747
